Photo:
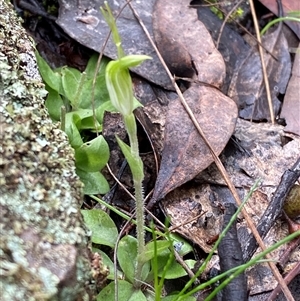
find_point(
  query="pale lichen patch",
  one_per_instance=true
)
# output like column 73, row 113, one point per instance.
column 43, row 244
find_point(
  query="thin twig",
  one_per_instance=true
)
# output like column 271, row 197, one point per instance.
column 263, row 65
column 225, row 20
column 274, row 208
column 291, row 247
column 119, row 182
column 173, row 228
column 185, row 267
column 288, row 278
column 218, row 162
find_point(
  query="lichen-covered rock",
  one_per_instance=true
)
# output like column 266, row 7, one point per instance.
column 43, row 243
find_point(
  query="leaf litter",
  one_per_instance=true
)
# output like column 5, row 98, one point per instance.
column 242, row 168
column 185, row 153
column 291, row 105
column 247, row 87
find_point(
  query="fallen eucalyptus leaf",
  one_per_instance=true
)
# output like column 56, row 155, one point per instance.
column 177, row 30
column 185, row 153
column 185, row 43
column 291, row 105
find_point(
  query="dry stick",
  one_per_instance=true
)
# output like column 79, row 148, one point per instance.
column 219, row 164
column 288, row 278
column 291, row 247
column 261, row 53
column 274, row 208
column 185, row 267
column 231, row 256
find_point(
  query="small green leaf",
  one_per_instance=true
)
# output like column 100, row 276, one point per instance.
column 127, row 257
column 85, row 95
column 94, row 182
column 93, row 155
column 106, row 106
column 54, row 103
column 89, row 123
column 175, row 270
column 101, row 92
column 135, row 164
column 136, row 104
column 149, row 249
column 71, row 128
column 104, row 230
column 86, row 119
column 137, row 296
column 51, row 78
column 127, row 253
column 71, row 83
column 125, row 291
column 85, row 99
column 180, row 244
column 92, row 64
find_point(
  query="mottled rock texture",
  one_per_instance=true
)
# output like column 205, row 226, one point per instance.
column 43, row 244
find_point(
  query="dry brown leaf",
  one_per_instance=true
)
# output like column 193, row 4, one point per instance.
column 189, row 50
column 184, row 206
column 259, row 153
column 83, row 21
column 291, row 105
column 185, row 153
column 247, row 87
column 185, row 43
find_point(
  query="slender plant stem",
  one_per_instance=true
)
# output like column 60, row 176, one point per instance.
column 282, row 19
column 140, row 231
column 130, row 125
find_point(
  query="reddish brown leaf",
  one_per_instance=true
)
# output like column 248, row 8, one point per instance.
column 185, row 154
column 291, row 105
column 185, row 43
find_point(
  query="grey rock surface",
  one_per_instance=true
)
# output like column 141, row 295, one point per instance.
column 44, row 244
